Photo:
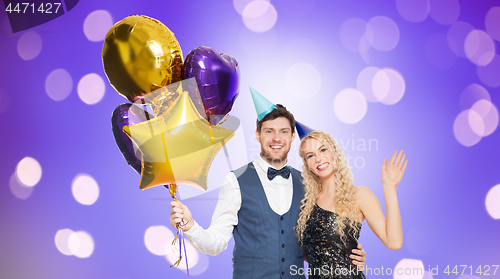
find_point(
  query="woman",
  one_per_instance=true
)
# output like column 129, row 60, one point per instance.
column 333, row 210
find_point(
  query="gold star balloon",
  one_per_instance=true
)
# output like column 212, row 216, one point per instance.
column 177, row 146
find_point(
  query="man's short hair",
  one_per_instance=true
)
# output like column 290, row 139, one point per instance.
column 279, row 111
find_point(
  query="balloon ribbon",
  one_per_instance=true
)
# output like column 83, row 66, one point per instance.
column 180, row 234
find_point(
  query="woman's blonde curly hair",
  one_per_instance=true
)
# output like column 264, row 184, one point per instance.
column 345, row 197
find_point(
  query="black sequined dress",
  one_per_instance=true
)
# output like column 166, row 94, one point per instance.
column 327, row 255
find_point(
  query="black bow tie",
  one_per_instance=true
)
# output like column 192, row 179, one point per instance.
column 284, row 172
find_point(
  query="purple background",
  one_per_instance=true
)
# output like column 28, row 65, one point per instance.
column 442, row 196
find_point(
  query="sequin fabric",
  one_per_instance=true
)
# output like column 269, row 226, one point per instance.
column 328, row 256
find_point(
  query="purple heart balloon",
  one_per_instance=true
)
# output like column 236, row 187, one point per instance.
column 123, row 115
column 217, row 77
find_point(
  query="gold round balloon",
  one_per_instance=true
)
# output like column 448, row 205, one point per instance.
column 140, row 54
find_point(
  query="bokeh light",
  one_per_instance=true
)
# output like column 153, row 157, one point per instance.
column 382, row 33
column 456, row 37
column 29, row 171
column 81, row 244
column 259, row 16
column 438, row 52
column 388, row 86
column 410, row 269
column 490, row 74
column 351, row 33
column 471, row 94
column 239, row 5
column 302, row 81
column 91, row 89
column 489, row 117
column 444, row 12
column 19, row 190
column 413, row 10
column 58, row 84
column 462, row 129
column 85, row 189
column 476, row 123
column 350, row 106
column 97, row 25
column 364, row 83
column 493, row 202
column 29, row 45
column 62, row 241
column 492, row 23
column 158, row 240
column 479, row 47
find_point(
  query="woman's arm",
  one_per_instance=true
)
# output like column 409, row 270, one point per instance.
column 389, row 230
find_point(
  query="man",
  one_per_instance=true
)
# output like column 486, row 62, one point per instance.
column 259, row 205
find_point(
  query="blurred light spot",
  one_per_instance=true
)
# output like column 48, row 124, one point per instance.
column 192, row 254
column 239, row 5
column 257, row 44
column 410, row 269
column 91, row 89
column 456, row 37
column 302, row 81
column 471, row 94
column 462, row 130
column 19, row 190
column 81, row 244
column 302, row 50
column 492, row 23
column 365, row 81
column 29, row 171
column 158, row 240
column 427, row 275
column 489, row 115
column 29, row 45
column 97, row 25
column 382, row 33
column 420, row 240
column 62, row 241
column 476, row 123
column 4, row 101
column 350, row 106
column 259, row 16
column 395, row 90
column 413, row 10
column 479, row 47
column 493, row 202
column 351, row 33
column 490, row 74
column 438, row 52
column 85, row 189
column 381, row 85
column 58, row 84
column 445, row 12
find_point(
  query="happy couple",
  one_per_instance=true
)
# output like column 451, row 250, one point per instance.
column 280, row 217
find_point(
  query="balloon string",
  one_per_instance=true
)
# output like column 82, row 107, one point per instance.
column 180, row 234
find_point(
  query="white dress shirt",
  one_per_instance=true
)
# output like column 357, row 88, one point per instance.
column 213, row 240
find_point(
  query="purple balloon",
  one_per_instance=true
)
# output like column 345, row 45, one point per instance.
column 217, row 77
column 124, row 115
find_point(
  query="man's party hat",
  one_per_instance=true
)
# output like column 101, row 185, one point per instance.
column 262, row 105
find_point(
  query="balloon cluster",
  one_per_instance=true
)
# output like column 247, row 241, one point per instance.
column 177, row 141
